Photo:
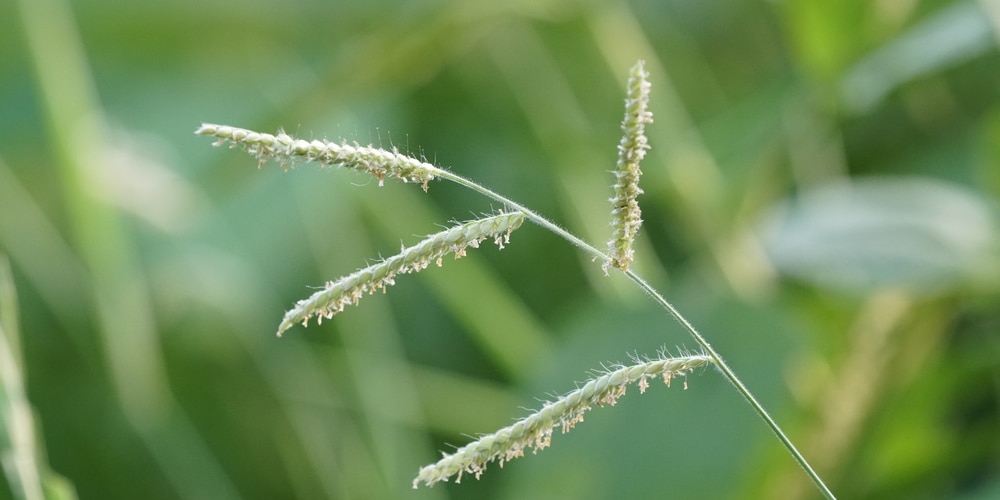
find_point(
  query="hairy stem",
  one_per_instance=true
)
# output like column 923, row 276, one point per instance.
column 737, row 383
column 646, row 287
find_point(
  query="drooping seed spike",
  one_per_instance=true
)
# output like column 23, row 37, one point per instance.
column 349, row 289
column 535, row 430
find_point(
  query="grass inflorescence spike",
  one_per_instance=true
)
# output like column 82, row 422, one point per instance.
column 351, row 288
column 287, row 150
column 535, row 430
column 626, row 217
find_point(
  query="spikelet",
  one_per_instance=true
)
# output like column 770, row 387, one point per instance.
column 351, row 288
column 625, row 213
column 535, row 431
column 287, row 149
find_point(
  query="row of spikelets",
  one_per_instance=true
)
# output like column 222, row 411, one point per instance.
column 534, row 431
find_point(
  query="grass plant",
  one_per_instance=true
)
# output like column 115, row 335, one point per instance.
column 565, row 412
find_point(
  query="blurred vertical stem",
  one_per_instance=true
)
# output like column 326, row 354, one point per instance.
column 28, row 477
column 124, row 316
column 18, row 454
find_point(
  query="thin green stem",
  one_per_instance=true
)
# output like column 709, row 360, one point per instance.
column 530, row 214
column 737, row 383
column 645, row 286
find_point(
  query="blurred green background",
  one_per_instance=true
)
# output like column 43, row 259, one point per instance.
column 820, row 201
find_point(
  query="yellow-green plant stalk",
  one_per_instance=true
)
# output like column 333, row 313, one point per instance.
column 286, row 149
column 625, row 214
column 535, row 431
column 351, row 288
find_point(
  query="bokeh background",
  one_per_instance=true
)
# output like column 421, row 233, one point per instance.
column 820, row 201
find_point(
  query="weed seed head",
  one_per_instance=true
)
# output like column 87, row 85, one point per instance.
column 535, row 430
column 287, row 150
column 626, row 217
column 377, row 277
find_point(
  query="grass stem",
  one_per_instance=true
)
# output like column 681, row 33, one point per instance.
column 652, row 292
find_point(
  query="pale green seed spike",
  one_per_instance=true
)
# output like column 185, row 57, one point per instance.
column 348, row 290
column 287, row 149
column 535, row 430
column 625, row 213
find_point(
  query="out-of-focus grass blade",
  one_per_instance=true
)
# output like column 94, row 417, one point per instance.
column 77, row 133
column 952, row 36
column 28, row 477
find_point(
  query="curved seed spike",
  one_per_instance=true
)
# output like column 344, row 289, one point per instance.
column 535, row 430
column 348, row 290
